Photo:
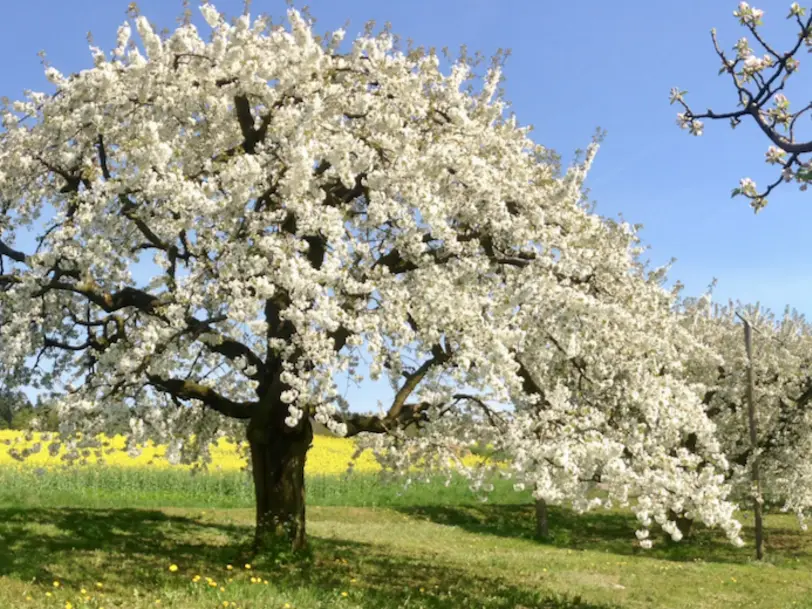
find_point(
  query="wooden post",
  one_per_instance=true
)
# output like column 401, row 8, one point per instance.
column 751, row 417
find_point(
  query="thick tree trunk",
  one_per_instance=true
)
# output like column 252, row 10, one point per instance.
column 542, row 523
column 278, row 460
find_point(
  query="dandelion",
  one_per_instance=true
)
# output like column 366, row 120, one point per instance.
column 99, row 585
column 83, row 591
column 173, row 567
column 196, row 578
column 68, row 605
column 247, row 566
column 229, row 567
column 48, row 594
column 57, row 584
column 344, row 594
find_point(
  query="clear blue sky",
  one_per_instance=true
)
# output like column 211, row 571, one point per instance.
column 602, row 64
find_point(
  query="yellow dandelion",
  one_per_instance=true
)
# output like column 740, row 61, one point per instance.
column 225, row 603
column 265, row 582
column 28, row 598
column 83, row 591
column 353, row 580
column 99, row 585
column 248, row 566
column 213, row 584
column 286, row 606
column 57, row 584
column 345, row 594
column 196, row 578
column 173, row 567
column 229, row 567
column 222, row 589
column 68, row 605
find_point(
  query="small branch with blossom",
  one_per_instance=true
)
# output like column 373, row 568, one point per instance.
column 759, row 84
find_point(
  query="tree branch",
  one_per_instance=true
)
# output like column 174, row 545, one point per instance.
column 189, row 390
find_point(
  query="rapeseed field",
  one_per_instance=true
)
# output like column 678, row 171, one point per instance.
column 329, row 455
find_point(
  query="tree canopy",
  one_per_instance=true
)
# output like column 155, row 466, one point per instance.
column 300, row 198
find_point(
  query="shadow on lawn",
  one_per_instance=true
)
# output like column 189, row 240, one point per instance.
column 612, row 532
column 128, row 548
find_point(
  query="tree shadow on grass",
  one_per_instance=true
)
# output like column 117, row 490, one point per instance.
column 612, row 532
column 130, row 548
column 91, row 544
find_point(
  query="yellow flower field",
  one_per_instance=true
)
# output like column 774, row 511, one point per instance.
column 329, row 455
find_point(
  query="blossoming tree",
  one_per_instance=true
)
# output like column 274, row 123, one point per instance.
column 605, row 398
column 782, row 373
column 299, row 202
column 760, row 83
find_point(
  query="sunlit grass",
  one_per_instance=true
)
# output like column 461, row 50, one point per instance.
column 427, row 557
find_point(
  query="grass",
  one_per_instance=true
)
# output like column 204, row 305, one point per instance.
column 430, row 548
column 94, row 486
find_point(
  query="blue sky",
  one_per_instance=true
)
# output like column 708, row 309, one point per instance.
column 602, row 64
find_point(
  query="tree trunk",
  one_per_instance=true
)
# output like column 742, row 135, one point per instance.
column 278, row 460
column 542, row 524
column 683, row 524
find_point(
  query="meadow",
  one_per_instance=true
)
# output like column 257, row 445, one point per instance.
column 128, row 535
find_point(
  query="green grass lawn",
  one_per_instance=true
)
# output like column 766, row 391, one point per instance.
column 430, row 548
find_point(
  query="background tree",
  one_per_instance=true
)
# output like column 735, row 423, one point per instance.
column 12, row 405
column 299, row 201
column 603, row 400
column 760, row 90
column 782, row 371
